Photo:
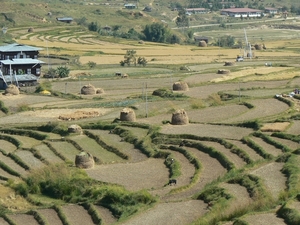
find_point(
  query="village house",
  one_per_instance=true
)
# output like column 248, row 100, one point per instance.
column 130, row 6
column 271, row 10
column 19, row 64
column 65, row 19
column 242, row 12
column 196, row 10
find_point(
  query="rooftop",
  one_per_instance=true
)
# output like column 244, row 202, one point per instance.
column 18, row 48
column 21, row 61
column 240, row 10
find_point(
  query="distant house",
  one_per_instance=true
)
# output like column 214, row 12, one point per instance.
column 65, row 19
column 197, row 10
column 241, row 12
column 130, row 6
column 20, row 64
column 271, row 10
column 201, row 38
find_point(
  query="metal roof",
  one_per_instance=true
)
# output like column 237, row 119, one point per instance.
column 20, row 78
column 240, row 10
column 21, row 61
column 18, row 48
column 64, row 18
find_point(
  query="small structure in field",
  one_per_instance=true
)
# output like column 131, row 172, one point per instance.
column 99, row 91
column 180, row 117
column 127, row 114
column 258, row 46
column 223, row 71
column 74, row 128
column 229, row 64
column 30, row 30
column 12, row 90
column 202, row 44
column 180, row 86
column 124, row 75
column 84, row 160
column 88, row 90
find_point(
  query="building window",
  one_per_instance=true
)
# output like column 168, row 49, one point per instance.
column 38, row 71
column 35, row 56
column 29, row 71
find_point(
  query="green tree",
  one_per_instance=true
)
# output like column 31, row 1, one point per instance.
column 182, row 20
column 142, row 61
column 91, row 64
column 129, row 58
column 156, row 32
column 93, row 26
column 63, row 71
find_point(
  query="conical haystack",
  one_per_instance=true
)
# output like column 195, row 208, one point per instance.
column 127, row 114
column 258, row 47
column 180, row 86
column 88, row 90
column 84, row 160
column 75, row 129
column 229, row 64
column 202, row 44
column 99, row 91
column 180, row 117
column 12, row 90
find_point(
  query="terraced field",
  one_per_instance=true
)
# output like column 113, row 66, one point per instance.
column 222, row 160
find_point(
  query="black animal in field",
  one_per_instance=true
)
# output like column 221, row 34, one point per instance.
column 172, row 182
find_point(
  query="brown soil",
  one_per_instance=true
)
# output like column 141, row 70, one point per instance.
column 272, row 177
column 263, row 219
column 149, row 174
column 23, row 219
column 77, row 215
column 51, row 216
column 175, row 213
column 79, row 115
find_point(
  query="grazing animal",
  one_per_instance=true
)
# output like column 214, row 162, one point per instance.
column 209, row 205
column 172, row 182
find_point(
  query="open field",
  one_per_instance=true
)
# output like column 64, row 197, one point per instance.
column 238, row 153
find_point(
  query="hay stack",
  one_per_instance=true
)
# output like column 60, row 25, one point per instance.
column 30, row 30
column 229, row 64
column 202, row 44
column 88, row 90
column 223, row 71
column 75, row 129
column 99, row 91
column 180, row 86
column 12, row 90
column 127, row 114
column 179, row 117
column 258, row 47
column 84, row 160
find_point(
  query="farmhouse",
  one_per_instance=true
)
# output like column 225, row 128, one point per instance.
column 201, row 38
column 271, row 10
column 241, row 12
column 196, row 10
column 65, row 19
column 20, row 64
column 130, row 6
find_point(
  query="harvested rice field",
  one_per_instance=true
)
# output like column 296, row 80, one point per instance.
column 237, row 152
